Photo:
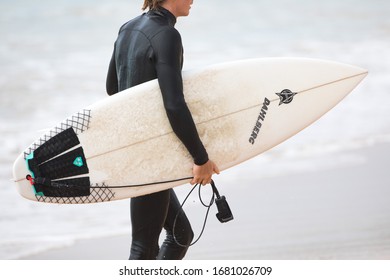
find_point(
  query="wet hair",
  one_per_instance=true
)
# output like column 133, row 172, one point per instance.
column 152, row 4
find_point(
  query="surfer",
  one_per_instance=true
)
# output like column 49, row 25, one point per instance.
column 149, row 47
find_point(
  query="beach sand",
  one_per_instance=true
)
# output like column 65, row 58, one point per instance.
column 337, row 211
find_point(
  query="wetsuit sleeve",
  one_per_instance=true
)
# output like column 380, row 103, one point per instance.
column 112, row 79
column 168, row 54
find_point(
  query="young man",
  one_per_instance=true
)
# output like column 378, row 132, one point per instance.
column 149, row 47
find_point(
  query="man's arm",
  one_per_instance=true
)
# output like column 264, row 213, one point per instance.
column 168, row 54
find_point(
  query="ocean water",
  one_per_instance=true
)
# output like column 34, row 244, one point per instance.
column 54, row 57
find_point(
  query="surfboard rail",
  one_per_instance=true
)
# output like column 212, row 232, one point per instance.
column 241, row 109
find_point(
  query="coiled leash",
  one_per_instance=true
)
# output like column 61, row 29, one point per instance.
column 224, row 213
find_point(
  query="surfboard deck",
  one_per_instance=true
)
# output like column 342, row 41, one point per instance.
column 241, row 109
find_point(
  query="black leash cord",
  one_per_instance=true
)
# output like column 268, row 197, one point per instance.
column 205, row 219
column 224, row 213
column 49, row 183
column 142, row 185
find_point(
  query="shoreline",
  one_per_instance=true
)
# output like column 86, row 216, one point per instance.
column 336, row 213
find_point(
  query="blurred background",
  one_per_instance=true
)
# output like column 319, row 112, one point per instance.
column 53, row 62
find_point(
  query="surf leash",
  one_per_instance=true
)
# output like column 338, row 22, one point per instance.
column 60, row 185
column 224, row 213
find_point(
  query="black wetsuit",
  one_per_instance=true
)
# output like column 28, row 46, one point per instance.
column 149, row 47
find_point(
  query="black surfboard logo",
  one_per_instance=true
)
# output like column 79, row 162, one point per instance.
column 286, row 96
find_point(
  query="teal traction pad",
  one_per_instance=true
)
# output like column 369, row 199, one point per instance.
column 55, row 160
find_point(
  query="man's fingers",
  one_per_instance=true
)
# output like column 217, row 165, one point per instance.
column 216, row 169
column 203, row 173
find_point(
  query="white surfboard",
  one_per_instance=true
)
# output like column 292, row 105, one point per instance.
column 124, row 146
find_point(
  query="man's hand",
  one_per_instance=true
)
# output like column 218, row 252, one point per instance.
column 203, row 173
